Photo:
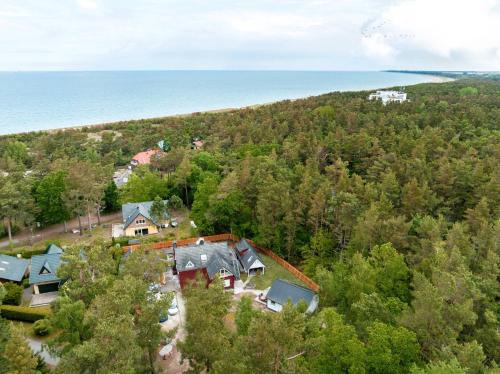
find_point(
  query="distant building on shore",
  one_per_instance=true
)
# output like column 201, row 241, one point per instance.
column 388, row 96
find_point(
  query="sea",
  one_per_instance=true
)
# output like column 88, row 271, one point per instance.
column 31, row 101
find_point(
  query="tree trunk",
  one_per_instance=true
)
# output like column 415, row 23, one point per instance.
column 89, row 221
column 98, row 214
column 9, row 229
column 65, row 226
column 187, row 196
column 31, row 236
column 80, row 224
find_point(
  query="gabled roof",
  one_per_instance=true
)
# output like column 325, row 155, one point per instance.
column 44, row 268
column 144, row 158
column 13, row 268
column 210, row 256
column 246, row 254
column 53, row 248
column 131, row 211
column 281, row 291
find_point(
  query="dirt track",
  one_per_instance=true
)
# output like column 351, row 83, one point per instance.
column 51, row 231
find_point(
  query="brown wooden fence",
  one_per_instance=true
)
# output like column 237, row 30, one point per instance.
column 230, row 237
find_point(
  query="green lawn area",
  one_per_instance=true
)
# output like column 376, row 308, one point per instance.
column 273, row 271
column 28, row 331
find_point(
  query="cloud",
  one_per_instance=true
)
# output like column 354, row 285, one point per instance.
column 87, row 4
column 448, row 29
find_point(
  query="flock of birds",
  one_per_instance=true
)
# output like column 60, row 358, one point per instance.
column 379, row 29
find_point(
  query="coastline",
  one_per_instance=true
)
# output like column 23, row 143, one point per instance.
column 96, row 126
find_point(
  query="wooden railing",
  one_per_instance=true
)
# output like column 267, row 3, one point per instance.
column 230, row 237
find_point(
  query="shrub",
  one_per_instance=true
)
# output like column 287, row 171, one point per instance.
column 14, row 294
column 21, row 313
column 26, row 283
column 42, row 327
column 175, row 202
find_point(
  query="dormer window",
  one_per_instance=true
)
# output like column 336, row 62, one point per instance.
column 45, row 269
column 189, row 265
column 224, row 273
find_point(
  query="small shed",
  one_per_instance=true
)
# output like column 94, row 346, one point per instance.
column 282, row 292
column 248, row 257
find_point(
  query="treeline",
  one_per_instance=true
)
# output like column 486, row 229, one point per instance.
column 323, row 182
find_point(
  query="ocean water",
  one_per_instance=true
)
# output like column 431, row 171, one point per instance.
column 48, row 100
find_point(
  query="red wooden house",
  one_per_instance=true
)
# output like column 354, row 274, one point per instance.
column 208, row 259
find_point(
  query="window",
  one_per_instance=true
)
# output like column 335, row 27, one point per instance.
column 224, row 273
column 140, row 221
column 272, row 302
column 227, row 283
column 189, row 265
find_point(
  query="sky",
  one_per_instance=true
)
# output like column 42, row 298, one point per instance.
column 251, row 34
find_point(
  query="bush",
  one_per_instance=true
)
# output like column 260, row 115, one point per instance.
column 26, row 283
column 42, row 327
column 175, row 202
column 22, row 313
column 14, row 294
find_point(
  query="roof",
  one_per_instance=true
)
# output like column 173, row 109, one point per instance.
column 246, row 254
column 281, row 291
column 217, row 256
column 13, row 268
column 131, row 210
column 53, row 248
column 144, row 158
column 44, row 268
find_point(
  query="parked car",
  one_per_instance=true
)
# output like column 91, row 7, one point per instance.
column 173, row 310
column 163, row 317
column 173, row 222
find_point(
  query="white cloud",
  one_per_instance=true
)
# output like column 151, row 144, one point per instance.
column 87, row 4
column 446, row 29
column 242, row 34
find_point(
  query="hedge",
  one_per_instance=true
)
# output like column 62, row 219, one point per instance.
column 22, row 313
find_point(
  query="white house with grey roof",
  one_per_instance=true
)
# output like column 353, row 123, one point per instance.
column 13, row 269
column 282, row 292
column 250, row 261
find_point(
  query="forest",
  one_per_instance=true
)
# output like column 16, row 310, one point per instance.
column 393, row 210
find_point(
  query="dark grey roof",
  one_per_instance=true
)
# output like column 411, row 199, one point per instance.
column 13, row 268
column 212, row 256
column 246, row 254
column 44, row 268
column 281, row 291
column 131, row 210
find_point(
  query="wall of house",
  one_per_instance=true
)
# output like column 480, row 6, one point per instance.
column 190, row 275
column 152, row 229
column 274, row 306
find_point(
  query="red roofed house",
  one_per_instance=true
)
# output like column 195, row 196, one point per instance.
column 143, row 158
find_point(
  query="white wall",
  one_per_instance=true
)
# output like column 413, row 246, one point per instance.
column 274, row 306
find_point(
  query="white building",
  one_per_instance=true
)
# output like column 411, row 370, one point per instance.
column 388, row 96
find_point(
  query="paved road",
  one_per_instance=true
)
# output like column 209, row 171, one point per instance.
column 54, row 230
column 36, row 346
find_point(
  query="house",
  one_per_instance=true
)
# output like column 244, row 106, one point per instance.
column 208, row 259
column 13, row 269
column 197, row 144
column 281, row 292
column 248, row 258
column 388, row 96
column 121, row 176
column 43, row 273
column 137, row 219
column 143, row 158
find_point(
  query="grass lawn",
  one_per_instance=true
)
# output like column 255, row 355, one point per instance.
column 273, row 271
column 28, row 331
